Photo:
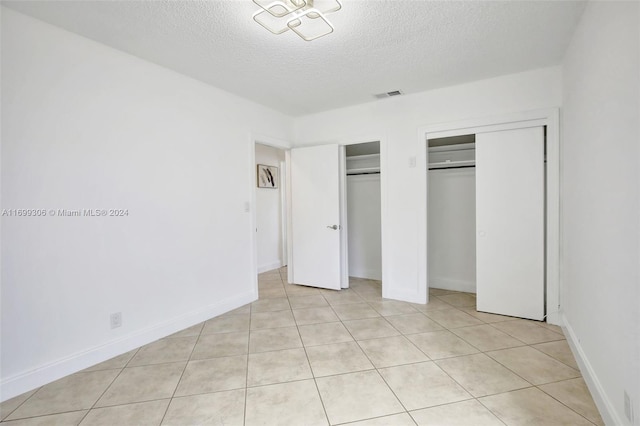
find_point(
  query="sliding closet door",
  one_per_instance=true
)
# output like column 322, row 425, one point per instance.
column 510, row 222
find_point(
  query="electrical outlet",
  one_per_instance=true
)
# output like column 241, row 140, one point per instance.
column 116, row 320
column 628, row 407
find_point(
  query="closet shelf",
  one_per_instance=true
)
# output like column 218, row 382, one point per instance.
column 362, row 157
column 363, row 170
column 450, row 148
column 446, row 164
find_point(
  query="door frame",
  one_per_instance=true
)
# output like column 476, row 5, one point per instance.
column 383, row 207
column 254, row 139
column 544, row 117
column 284, row 203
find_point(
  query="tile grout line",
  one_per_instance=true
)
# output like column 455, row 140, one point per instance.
column 9, row 422
column 313, row 374
column 555, row 399
column 480, row 351
column 375, row 418
column 19, row 405
column 511, row 370
column 304, row 347
column 71, row 411
column 331, row 306
column 375, row 368
column 530, row 387
column 246, row 377
column 536, row 386
column 182, row 374
column 491, row 358
column 489, row 410
column 560, row 361
column 473, row 397
column 106, row 389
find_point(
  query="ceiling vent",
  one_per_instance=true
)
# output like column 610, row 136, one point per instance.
column 388, row 94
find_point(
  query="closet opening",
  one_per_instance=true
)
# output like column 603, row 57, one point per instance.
column 363, row 205
column 487, row 220
column 451, row 215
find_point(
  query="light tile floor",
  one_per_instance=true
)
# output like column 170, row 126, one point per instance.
column 303, row 356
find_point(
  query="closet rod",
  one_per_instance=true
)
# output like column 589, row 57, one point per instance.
column 452, row 167
column 458, row 167
column 362, row 173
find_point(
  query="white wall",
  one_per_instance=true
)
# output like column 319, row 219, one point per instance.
column 600, row 208
column 396, row 121
column 452, row 229
column 88, row 127
column 269, row 213
column 363, row 222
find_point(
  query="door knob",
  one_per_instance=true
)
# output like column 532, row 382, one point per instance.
column 334, row 227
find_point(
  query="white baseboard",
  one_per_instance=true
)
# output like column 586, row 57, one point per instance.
column 370, row 274
column 47, row 373
column 403, row 296
column 269, row 266
column 600, row 397
column 454, row 285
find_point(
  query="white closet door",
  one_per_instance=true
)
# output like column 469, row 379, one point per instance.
column 510, row 222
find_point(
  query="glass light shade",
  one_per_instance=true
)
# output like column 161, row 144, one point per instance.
column 280, row 8
column 304, row 17
column 310, row 25
column 272, row 23
column 326, row 6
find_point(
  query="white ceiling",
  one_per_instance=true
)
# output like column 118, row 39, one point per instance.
column 377, row 46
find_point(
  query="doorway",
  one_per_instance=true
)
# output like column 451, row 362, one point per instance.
column 270, row 208
column 318, row 200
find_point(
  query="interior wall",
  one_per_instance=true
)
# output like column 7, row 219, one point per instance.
column 452, row 229
column 363, row 219
column 87, row 127
column 600, row 191
column 397, row 121
column 269, row 213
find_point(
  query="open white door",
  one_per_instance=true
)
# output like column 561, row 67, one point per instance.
column 315, row 216
column 510, row 222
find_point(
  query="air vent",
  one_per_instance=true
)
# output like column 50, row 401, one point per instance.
column 388, row 94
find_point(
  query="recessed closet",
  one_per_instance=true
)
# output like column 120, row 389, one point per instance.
column 486, row 218
column 452, row 213
column 364, row 210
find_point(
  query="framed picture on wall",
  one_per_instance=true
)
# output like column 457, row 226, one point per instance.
column 267, row 176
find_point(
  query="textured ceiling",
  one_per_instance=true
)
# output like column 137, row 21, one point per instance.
column 378, row 46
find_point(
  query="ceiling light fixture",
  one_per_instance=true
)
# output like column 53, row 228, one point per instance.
column 304, row 17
